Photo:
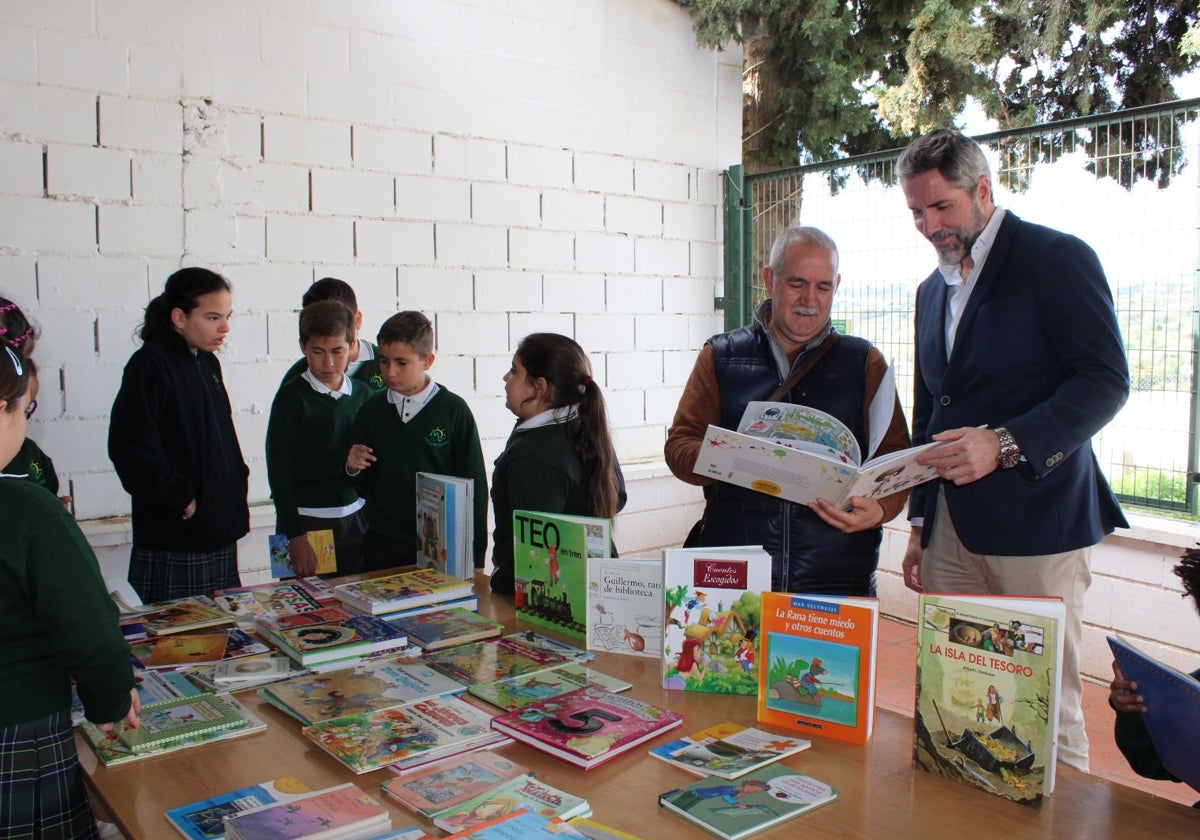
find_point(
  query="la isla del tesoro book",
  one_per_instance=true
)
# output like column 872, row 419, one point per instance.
column 988, row 675
column 818, row 664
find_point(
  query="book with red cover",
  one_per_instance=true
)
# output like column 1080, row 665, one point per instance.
column 588, row 726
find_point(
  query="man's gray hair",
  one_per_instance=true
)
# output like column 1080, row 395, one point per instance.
column 957, row 157
column 801, row 236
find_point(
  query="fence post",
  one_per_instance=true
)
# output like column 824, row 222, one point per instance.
column 737, row 235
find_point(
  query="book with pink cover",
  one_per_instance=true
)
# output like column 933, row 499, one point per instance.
column 588, row 726
column 345, row 809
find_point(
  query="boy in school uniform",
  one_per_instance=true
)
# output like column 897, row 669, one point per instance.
column 307, row 436
column 364, row 364
column 414, row 426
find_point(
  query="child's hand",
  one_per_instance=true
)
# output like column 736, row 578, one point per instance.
column 304, row 559
column 359, row 459
column 1121, row 693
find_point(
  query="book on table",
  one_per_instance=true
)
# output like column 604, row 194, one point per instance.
column 432, row 789
column 112, row 748
column 446, row 524
column 817, row 673
column 523, row 792
column 364, row 686
column 313, row 586
column 550, row 553
column 712, row 614
column 728, row 750
column 356, row 636
column 490, row 660
column 402, row 591
column 371, row 740
column 588, row 726
column 625, row 606
column 988, row 675
column 447, row 627
column 801, row 454
column 593, row 830
column 514, row 692
column 322, row 545
column 205, row 819
column 251, row 670
column 186, row 649
column 518, row 824
column 750, row 804
column 181, row 615
column 277, row 598
column 345, row 812
column 1172, row 716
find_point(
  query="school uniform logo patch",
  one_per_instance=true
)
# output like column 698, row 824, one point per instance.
column 437, row 436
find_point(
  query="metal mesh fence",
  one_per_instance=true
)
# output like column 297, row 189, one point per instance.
column 1125, row 183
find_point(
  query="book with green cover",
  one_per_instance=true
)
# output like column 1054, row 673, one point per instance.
column 162, row 723
column 491, row 659
column 112, row 750
column 514, row 692
column 550, row 553
column 745, row 806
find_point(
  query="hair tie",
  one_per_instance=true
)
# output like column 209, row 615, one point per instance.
column 19, row 340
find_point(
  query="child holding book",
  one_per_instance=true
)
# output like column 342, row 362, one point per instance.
column 364, row 362
column 57, row 624
column 1130, row 730
column 559, row 458
column 172, row 441
column 308, row 435
column 415, row 426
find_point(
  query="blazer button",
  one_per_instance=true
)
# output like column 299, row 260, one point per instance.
column 945, row 399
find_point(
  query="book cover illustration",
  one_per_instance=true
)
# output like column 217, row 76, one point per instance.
column 274, row 600
column 364, row 687
column 712, row 605
column 521, row 793
column 800, row 453
column 183, row 649
column 818, row 664
column 550, row 553
column 587, row 726
column 445, row 524
column 111, row 749
column 313, row 586
column 728, row 750
column 156, row 686
column 624, row 606
column 251, row 670
column 265, row 625
column 536, row 641
column 405, row 590
column 444, row 628
column 322, row 546
column 355, row 636
column 1172, row 716
column 515, row 692
column 368, row 741
column 491, row 659
column 753, row 803
column 184, row 614
column 345, row 807
column 205, row 820
column 433, row 789
column 988, row 670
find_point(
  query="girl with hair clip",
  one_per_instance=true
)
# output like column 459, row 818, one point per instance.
column 559, row 458
column 172, row 440
column 57, row 623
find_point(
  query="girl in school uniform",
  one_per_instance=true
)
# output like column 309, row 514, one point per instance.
column 172, row 441
column 57, row 623
column 559, row 458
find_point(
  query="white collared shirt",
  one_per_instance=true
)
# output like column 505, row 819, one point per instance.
column 407, row 407
column 959, row 288
column 319, row 386
column 549, row 417
column 365, row 354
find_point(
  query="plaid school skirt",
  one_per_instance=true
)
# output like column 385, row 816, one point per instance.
column 162, row 575
column 42, row 796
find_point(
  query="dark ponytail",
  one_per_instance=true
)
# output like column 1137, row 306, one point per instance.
column 565, row 367
column 182, row 291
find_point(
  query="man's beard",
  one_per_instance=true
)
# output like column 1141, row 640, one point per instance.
column 957, row 242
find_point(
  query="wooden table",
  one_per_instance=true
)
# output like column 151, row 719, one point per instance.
column 881, row 794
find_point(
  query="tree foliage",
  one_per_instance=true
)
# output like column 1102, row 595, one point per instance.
column 832, row 78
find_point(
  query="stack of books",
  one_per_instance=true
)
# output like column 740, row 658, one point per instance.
column 330, row 635
column 446, row 628
column 446, row 524
column 183, row 615
column 344, row 812
column 408, row 593
column 275, row 598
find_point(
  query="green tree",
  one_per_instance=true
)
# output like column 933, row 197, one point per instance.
column 831, row 78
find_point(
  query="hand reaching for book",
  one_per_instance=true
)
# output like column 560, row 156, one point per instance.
column 131, row 717
column 304, row 559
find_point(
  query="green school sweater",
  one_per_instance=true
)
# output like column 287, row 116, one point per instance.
column 308, row 438
column 367, row 372
column 441, row 438
column 57, row 620
column 35, row 465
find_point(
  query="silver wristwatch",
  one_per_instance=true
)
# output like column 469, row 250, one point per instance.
column 1010, row 452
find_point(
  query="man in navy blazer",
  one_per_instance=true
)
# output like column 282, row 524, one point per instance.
column 1019, row 362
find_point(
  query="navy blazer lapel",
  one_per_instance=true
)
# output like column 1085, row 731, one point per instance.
column 931, row 313
column 987, row 278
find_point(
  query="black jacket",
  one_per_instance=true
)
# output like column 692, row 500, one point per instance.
column 171, row 439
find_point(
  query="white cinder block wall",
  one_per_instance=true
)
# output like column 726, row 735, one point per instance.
column 503, row 167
